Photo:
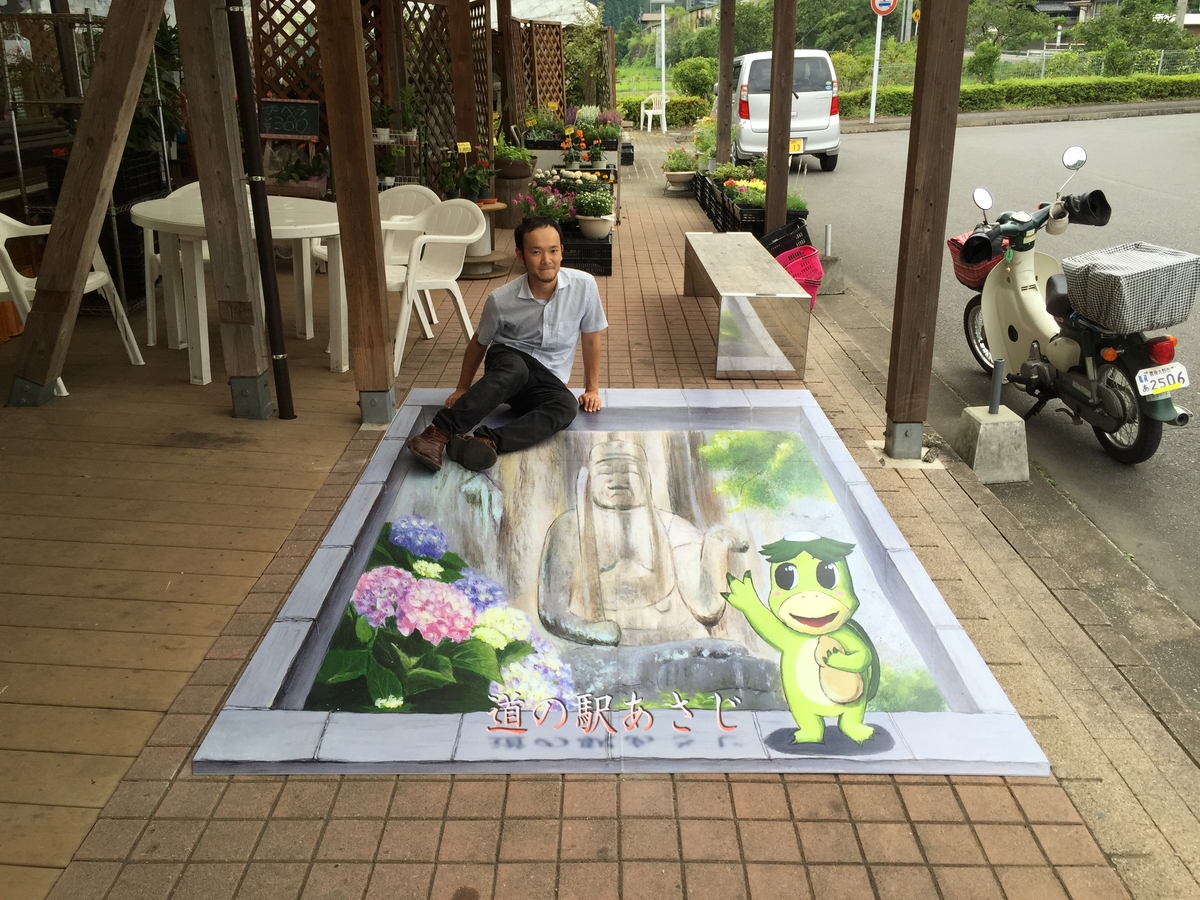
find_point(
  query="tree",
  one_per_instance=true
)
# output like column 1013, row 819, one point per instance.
column 752, row 26
column 694, row 77
column 583, row 56
column 982, row 63
column 627, row 30
column 1009, row 24
column 1136, row 23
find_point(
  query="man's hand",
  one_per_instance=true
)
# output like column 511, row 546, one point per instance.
column 453, row 398
column 590, row 401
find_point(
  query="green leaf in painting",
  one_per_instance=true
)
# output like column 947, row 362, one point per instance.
column 363, row 631
column 450, row 558
column 512, row 652
column 382, row 682
column 475, row 656
column 434, row 671
column 342, row 665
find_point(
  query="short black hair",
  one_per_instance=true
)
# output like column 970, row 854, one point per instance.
column 533, row 223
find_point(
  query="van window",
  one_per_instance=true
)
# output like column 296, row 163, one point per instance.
column 737, row 76
column 811, row 73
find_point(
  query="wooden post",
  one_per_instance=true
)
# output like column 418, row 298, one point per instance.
column 99, row 141
column 462, row 72
column 725, row 82
column 923, row 226
column 779, row 127
column 344, row 67
column 209, row 83
column 512, row 78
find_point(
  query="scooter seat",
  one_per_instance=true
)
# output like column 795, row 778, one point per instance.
column 1057, row 303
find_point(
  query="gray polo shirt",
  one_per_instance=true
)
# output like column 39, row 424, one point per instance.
column 546, row 330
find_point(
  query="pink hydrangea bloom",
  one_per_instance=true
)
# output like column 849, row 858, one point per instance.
column 380, row 591
column 437, row 610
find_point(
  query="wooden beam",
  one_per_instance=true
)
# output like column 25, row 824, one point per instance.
column 512, row 80
column 725, row 82
column 64, row 35
column 462, row 72
column 344, row 67
column 99, row 141
column 923, row 225
column 214, row 136
column 779, row 127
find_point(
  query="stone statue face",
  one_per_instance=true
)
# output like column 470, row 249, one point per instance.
column 618, row 482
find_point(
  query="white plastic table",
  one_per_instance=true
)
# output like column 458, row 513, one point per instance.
column 179, row 220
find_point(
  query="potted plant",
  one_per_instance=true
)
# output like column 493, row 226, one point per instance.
column 411, row 107
column 385, row 169
column 593, row 211
column 680, row 169
column 448, row 176
column 512, row 160
column 594, row 155
column 476, row 177
column 573, row 147
column 381, row 118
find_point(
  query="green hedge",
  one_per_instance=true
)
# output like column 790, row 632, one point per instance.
column 681, row 111
column 1019, row 93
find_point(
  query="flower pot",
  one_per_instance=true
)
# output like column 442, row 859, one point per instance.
column 573, row 166
column 389, row 180
column 595, row 228
column 383, row 135
column 408, row 137
column 712, row 164
column 679, row 182
column 513, row 168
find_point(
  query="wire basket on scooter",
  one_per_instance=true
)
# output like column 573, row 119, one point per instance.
column 1133, row 287
column 974, row 275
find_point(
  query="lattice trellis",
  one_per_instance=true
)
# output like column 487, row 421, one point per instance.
column 40, row 74
column 514, row 59
column 549, row 72
column 525, row 30
column 481, row 57
column 373, row 39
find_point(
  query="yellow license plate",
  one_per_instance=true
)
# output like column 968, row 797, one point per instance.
column 796, row 145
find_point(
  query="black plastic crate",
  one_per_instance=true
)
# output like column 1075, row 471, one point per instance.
column 627, row 154
column 139, row 177
column 594, row 257
column 792, row 235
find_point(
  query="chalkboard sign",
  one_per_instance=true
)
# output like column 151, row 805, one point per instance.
column 290, row 119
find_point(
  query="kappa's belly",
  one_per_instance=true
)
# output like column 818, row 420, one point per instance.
column 821, row 685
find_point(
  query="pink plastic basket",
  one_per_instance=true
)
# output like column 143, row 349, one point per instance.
column 804, row 265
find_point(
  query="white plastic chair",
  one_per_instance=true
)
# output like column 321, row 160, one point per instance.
column 402, row 200
column 435, row 262
column 21, row 289
column 656, row 107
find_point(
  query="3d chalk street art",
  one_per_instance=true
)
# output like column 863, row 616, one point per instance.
column 676, row 586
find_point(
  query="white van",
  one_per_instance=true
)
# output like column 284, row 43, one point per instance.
column 816, row 126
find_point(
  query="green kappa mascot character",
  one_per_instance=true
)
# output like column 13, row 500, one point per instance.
column 829, row 665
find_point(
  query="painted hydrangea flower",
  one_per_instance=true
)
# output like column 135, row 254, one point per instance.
column 483, row 593
column 426, row 569
column 500, row 626
column 540, row 676
column 380, row 591
column 436, row 610
column 389, row 702
column 420, row 536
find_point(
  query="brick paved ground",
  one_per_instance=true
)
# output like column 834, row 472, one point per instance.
column 1123, row 798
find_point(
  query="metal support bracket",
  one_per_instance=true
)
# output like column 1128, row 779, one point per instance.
column 378, row 407
column 251, row 397
column 902, row 440
column 28, row 393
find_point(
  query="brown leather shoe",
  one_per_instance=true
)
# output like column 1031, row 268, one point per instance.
column 428, row 447
column 472, row 452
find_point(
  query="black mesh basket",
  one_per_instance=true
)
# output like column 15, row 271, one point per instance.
column 792, row 235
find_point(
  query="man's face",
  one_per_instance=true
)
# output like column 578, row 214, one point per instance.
column 542, row 255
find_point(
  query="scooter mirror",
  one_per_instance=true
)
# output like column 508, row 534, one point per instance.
column 1074, row 158
column 982, row 199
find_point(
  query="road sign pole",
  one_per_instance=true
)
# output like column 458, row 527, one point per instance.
column 875, row 68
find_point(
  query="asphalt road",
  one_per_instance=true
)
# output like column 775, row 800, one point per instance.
column 1147, row 168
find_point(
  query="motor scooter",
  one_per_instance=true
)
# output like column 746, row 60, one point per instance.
column 1094, row 341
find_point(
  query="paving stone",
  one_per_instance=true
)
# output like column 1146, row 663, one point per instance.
column 1068, row 845
column 587, row 799
column 135, row 799
column 400, row 881
column 248, row 800
column 410, row 840
column 85, row 881
column 949, row 845
column 533, row 799
column 768, row 841
column 289, row 840
column 305, row 799
column 817, row 800
column 350, row 839
column 469, row 841
column 228, row 840
column 589, row 839
column 415, row 799
column 962, row 883
column 930, row 803
column 209, row 881
column 649, row 839
column 1045, row 803
column 1030, row 883
column 529, row 840
column 873, row 803
column 715, row 881
column 651, row 881
column 903, row 882
column 710, row 839
column 145, row 881
column 190, row 800
column 986, row 803
column 363, row 799
column 110, row 839
column 646, row 798
column 525, row 880
column 336, row 881
column 777, row 882
column 1092, row 883
column 888, row 842
column 477, row 799
column 839, row 882
column 828, row 842
column 1009, row 845
column 588, row 881
column 760, row 801
column 704, row 799
column 168, row 840
column 178, row 730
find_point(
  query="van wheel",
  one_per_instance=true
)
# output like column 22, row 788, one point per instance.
column 828, row 163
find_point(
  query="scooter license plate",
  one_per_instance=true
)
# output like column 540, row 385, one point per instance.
column 796, row 145
column 1162, row 379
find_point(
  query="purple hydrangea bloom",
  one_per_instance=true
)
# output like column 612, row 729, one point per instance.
column 420, row 536
column 482, row 593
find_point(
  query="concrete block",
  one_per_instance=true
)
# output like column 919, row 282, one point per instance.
column 993, row 445
column 834, row 281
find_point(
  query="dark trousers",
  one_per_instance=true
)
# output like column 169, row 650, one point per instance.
column 540, row 402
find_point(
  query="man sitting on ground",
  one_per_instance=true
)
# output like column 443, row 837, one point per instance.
column 526, row 339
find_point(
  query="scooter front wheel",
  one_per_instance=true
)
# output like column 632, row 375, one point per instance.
column 976, row 340
column 1138, row 437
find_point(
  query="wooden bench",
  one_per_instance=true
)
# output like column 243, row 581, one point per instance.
column 764, row 312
